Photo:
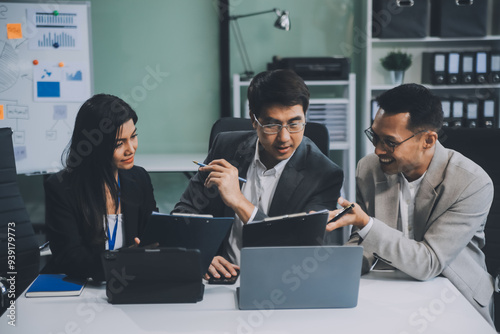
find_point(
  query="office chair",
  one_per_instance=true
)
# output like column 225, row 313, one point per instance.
column 317, row 132
column 480, row 145
column 14, row 223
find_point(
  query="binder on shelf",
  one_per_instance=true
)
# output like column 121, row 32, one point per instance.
column 453, row 68
column 374, row 108
column 457, row 113
column 494, row 67
column 467, row 67
column 434, row 65
column 471, row 114
column 488, row 119
column 481, row 68
column 446, row 105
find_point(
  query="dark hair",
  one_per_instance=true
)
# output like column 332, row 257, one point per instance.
column 424, row 107
column 89, row 157
column 278, row 87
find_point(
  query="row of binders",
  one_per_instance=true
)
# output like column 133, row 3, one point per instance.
column 461, row 68
column 463, row 112
column 469, row 113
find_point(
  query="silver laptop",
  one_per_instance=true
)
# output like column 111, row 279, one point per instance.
column 299, row 277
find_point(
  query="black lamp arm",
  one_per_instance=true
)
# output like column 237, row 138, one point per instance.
column 235, row 17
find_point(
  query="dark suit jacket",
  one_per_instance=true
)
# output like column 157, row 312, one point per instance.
column 310, row 181
column 73, row 253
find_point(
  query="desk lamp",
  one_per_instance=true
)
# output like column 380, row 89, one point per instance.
column 282, row 22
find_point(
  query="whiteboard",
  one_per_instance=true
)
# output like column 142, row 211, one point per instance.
column 45, row 76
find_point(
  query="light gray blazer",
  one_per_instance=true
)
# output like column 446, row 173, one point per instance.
column 451, row 207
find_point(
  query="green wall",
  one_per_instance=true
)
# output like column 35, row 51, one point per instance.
column 181, row 37
column 318, row 29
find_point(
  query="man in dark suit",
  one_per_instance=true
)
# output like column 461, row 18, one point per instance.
column 285, row 172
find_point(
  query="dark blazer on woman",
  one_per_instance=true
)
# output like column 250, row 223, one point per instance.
column 73, row 251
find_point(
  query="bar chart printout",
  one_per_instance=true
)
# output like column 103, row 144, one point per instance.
column 54, row 31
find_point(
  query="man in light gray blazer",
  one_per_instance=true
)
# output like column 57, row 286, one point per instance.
column 421, row 208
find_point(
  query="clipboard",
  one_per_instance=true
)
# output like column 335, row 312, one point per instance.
column 299, row 229
column 189, row 231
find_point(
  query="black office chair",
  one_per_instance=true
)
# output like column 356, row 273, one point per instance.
column 14, row 224
column 481, row 146
column 317, row 132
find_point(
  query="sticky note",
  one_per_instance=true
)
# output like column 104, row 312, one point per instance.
column 1, row 112
column 14, row 31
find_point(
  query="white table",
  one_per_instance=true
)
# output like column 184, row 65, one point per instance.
column 388, row 303
column 172, row 162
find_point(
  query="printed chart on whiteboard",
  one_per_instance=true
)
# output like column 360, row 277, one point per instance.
column 45, row 76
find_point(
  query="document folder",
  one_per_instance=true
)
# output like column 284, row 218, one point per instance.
column 494, row 70
column 375, row 108
column 457, row 110
column 434, row 67
column 471, row 114
column 161, row 275
column 481, row 68
column 290, row 230
column 191, row 232
column 488, row 119
column 446, row 105
column 453, row 75
column 467, row 67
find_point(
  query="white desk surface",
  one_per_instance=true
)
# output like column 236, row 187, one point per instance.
column 388, row 303
column 175, row 162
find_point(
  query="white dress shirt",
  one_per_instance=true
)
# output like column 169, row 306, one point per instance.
column 259, row 190
column 407, row 193
column 119, row 230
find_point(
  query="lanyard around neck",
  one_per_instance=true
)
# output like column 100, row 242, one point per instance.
column 112, row 238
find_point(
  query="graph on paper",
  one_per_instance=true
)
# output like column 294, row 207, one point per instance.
column 54, row 31
column 62, row 40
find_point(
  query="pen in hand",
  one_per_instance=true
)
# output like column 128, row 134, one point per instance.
column 341, row 213
column 203, row 165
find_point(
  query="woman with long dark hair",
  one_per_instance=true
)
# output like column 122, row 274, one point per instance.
column 100, row 200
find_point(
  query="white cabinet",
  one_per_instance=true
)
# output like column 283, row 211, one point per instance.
column 376, row 79
column 337, row 112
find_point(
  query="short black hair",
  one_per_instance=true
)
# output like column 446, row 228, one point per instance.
column 278, row 87
column 424, row 107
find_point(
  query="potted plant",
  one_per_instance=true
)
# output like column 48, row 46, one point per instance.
column 396, row 62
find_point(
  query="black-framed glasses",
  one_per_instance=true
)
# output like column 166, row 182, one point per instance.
column 272, row 129
column 389, row 144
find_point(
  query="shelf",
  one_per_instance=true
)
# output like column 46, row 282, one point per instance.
column 327, row 82
column 431, row 40
column 376, row 79
column 329, row 100
column 310, row 82
column 436, row 87
column 334, row 146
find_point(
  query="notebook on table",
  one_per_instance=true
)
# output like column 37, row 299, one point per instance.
column 299, row 277
column 55, row 285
